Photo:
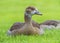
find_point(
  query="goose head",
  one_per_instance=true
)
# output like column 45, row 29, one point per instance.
column 30, row 10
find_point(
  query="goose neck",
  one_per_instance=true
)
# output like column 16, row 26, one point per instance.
column 27, row 18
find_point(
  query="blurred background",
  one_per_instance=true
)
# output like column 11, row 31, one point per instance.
column 12, row 11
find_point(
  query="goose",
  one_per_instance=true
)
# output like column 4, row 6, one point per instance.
column 29, row 26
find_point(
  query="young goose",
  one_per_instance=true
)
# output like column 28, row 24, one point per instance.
column 18, row 25
column 27, row 28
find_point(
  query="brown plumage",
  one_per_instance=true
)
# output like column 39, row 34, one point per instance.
column 51, row 22
column 18, row 25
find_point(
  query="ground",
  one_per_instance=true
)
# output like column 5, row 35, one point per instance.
column 12, row 11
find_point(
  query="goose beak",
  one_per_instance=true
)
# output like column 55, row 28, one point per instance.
column 38, row 13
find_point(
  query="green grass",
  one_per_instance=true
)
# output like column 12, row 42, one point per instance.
column 12, row 11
